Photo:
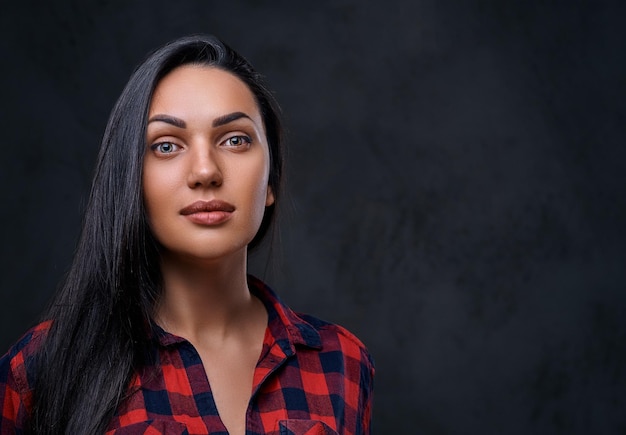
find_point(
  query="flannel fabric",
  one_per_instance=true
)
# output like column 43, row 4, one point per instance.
column 312, row 377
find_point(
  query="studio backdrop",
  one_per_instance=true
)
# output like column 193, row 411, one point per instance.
column 455, row 186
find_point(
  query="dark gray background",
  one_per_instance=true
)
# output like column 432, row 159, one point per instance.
column 455, row 177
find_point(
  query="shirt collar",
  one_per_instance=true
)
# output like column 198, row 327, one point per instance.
column 288, row 328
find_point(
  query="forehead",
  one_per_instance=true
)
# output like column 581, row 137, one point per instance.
column 212, row 91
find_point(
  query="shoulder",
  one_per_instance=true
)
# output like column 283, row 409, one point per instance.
column 343, row 353
column 17, row 361
column 16, row 379
column 332, row 341
column 30, row 341
column 335, row 337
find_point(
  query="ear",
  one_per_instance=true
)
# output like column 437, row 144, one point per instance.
column 269, row 199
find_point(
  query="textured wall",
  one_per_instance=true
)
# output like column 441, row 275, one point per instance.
column 456, row 186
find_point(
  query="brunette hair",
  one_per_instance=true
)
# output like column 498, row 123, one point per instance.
column 102, row 315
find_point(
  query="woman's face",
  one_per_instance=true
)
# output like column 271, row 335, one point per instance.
column 206, row 166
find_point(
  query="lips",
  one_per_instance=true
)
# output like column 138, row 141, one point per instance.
column 212, row 212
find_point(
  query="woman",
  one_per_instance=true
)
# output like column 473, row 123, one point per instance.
column 158, row 328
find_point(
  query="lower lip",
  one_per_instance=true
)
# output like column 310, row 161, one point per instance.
column 209, row 217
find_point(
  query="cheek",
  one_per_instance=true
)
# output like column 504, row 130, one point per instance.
column 256, row 189
column 157, row 190
column 259, row 186
column 160, row 181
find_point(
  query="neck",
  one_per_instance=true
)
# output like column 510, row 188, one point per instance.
column 202, row 301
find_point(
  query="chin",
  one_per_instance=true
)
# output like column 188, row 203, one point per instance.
column 212, row 251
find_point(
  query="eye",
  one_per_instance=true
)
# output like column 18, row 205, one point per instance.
column 238, row 142
column 164, row 147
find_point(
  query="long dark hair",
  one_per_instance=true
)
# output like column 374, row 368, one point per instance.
column 102, row 315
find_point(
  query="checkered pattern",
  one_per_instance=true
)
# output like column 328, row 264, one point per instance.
column 15, row 380
column 312, row 377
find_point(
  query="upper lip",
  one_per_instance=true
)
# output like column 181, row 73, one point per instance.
column 206, row 206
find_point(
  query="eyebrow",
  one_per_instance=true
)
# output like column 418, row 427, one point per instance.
column 225, row 119
column 217, row 122
column 176, row 122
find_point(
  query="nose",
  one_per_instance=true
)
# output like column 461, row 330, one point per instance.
column 204, row 169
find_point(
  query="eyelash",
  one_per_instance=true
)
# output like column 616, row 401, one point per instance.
column 247, row 141
column 155, row 147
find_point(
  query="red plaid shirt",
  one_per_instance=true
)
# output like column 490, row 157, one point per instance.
column 312, row 377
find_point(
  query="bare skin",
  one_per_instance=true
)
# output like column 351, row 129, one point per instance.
column 225, row 324
column 206, row 143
